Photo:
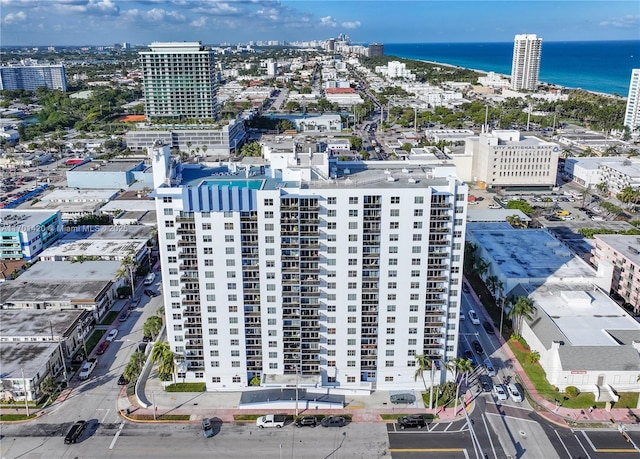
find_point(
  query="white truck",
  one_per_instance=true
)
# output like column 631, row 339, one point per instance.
column 87, row 369
column 271, row 420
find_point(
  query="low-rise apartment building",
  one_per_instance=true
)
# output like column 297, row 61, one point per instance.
column 26, row 233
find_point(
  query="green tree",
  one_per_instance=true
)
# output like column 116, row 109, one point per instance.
column 162, row 355
column 134, row 366
column 152, row 326
column 423, row 363
column 459, row 366
column 48, row 385
column 356, row 142
column 523, row 308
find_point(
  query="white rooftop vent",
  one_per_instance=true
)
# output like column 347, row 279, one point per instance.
column 391, row 179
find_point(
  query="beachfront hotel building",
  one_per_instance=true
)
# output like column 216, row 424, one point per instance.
column 30, row 76
column 632, row 114
column 525, row 66
column 180, row 81
column 301, row 267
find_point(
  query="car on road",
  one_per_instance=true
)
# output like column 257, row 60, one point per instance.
column 207, row 428
column 309, row 421
column 462, row 316
column 488, row 327
column 491, row 371
column 122, row 381
column 112, row 335
column 465, row 288
column 402, row 398
column 474, row 317
column 412, row 421
column 102, row 348
column 150, row 293
column 134, row 303
column 124, row 316
column 485, row 382
column 477, row 347
column 516, row 392
column 74, row 432
column 500, row 392
column 469, row 356
column 334, row 421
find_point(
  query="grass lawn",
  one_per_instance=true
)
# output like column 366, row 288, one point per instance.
column 583, row 401
column 95, row 337
column 161, row 417
column 15, row 417
column 186, row 387
column 110, row 317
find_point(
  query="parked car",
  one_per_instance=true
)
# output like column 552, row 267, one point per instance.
column 102, row 348
column 500, row 392
column 478, row 347
column 402, row 398
column 486, row 383
column 134, row 303
column 112, row 335
column 474, row 317
column 462, row 316
column 334, row 421
column 207, row 428
column 516, row 392
column 488, row 327
column 150, row 293
column 122, row 381
column 309, row 421
column 414, row 420
column 124, row 316
column 465, row 288
column 74, row 432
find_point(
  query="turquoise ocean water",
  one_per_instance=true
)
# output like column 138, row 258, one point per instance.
column 600, row 66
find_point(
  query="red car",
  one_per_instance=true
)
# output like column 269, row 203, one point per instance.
column 102, row 347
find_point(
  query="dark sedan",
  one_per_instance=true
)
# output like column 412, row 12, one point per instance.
column 478, row 347
column 309, row 421
column 488, row 327
column 334, row 421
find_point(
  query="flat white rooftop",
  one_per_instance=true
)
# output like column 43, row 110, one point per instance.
column 56, row 271
column 69, row 195
column 115, row 249
column 627, row 246
column 586, row 316
column 23, row 220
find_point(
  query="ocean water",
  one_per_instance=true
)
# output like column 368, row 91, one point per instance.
column 600, row 66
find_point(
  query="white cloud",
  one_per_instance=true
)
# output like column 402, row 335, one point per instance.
column 14, row 18
column 103, row 7
column 624, row 22
column 200, row 22
column 328, row 21
column 350, row 25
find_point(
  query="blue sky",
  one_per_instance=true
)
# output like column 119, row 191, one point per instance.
column 103, row 22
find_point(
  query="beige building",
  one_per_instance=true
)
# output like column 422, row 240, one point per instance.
column 504, row 158
column 623, row 252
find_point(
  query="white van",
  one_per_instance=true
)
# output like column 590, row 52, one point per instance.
column 149, row 279
column 516, row 395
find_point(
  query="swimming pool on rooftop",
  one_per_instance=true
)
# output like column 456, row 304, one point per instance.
column 255, row 184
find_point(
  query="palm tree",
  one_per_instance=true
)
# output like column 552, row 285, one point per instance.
column 523, row 308
column 458, row 366
column 162, row 355
column 134, row 366
column 127, row 267
column 603, row 188
column 423, row 363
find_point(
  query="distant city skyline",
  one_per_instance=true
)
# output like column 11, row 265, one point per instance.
column 140, row 22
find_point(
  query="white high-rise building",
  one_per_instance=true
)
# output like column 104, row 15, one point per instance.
column 632, row 114
column 525, row 66
column 304, row 267
column 30, row 76
column 180, row 81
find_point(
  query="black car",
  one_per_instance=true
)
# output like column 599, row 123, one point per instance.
column 122, row 381
column 478, row 347
column 486, row 383
column 150, row 293
column 303, row 421
column 147, row 339
column 411, row 421
column 488, row 327
column 74, row 432
column 469, row 356
column 334, row 421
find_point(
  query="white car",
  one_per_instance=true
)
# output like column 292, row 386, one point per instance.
column 474, row 317
column 498, row 390
column 112, row 335
column 516, row 395
column 462, row 317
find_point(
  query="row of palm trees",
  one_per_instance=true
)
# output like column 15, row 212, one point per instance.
column 458, row 366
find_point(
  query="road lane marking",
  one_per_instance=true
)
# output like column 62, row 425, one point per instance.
column 584, row 434
column 617, row 450
column 486, row 427
column 115, row 438
column 582, row 446
column 426, row 450
column 563, row 445
column 447, row 428
column 105, row 416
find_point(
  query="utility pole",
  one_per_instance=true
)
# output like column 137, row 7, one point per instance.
column 24, row 389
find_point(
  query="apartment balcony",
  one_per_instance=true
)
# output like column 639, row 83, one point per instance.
column 185, row 219
column 183, row 231
column 188, row 267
